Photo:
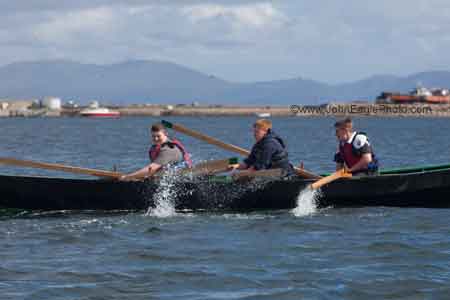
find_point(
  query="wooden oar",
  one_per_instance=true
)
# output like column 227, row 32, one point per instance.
column 261, row 173
column 342, row 173
column 211, row 167
column 203, row 137
column 58, row 167
column 204, row 168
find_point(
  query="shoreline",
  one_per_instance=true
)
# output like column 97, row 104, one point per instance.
column 331, row 110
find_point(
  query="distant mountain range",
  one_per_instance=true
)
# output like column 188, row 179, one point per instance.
column 163, row 82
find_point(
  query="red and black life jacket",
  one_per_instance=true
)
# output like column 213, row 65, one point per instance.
column 156, row 149
column 349, row 153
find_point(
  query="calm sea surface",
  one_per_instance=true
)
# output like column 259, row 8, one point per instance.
column 358, row 253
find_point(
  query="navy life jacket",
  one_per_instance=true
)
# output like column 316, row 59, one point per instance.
column 280, row 158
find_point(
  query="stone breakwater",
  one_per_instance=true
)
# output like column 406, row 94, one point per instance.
column 338, row 110
column 383, row 110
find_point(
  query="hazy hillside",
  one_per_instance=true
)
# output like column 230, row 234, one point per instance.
column 164, row 82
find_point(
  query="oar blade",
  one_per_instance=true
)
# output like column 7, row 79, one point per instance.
column 336, row 175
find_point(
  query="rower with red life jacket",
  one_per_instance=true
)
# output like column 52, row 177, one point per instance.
column 155, row 151
column 164, row 152
column 354, row 150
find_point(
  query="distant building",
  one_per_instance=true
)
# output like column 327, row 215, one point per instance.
column 19, row 104
column 52, row 103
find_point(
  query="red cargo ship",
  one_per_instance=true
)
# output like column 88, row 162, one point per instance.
column 418, row 95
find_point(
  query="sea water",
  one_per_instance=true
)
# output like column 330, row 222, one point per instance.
column 305, row 253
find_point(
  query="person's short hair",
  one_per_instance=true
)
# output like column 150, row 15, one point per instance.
column 157, row 127
column 263, row 124
column 344, row 124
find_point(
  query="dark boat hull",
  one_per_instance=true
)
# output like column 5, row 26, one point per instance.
column 414, row 189
column 418, row 189
column 79, row 194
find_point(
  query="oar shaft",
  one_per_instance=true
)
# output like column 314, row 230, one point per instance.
column 58, row 167
column 211, row 167
column 306, row 174
column 204, row 168
column 260, row 173
column 206, row 138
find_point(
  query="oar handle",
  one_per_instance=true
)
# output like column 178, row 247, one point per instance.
column 58, row 167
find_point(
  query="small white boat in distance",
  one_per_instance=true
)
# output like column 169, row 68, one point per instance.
column 99, row 112
column 263, row 115
column 94, row 110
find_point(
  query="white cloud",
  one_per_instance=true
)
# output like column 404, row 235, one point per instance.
column 63, row 28
column 239, row 40
column 257, row 15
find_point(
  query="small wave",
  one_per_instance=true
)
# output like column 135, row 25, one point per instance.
column 391, row 246
column 88, row 222
column 306, row 202
column 240, row 216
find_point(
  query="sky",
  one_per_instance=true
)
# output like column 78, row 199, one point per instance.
column 242, row 41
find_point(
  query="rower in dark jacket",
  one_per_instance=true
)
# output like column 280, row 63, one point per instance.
column 269, row 151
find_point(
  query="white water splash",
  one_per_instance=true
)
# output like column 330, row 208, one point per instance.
column 306, row 202
column 164, row 197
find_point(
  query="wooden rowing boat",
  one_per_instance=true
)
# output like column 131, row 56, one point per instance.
column 414, row 187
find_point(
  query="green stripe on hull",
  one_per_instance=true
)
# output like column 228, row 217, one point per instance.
column 409, row 170
column 416, row 169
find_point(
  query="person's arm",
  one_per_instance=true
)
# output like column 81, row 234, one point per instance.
column 249, row 161
column 339, row 161
column 153, row 169
column 145, row 172
column 362, row 164
column 247, row 164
